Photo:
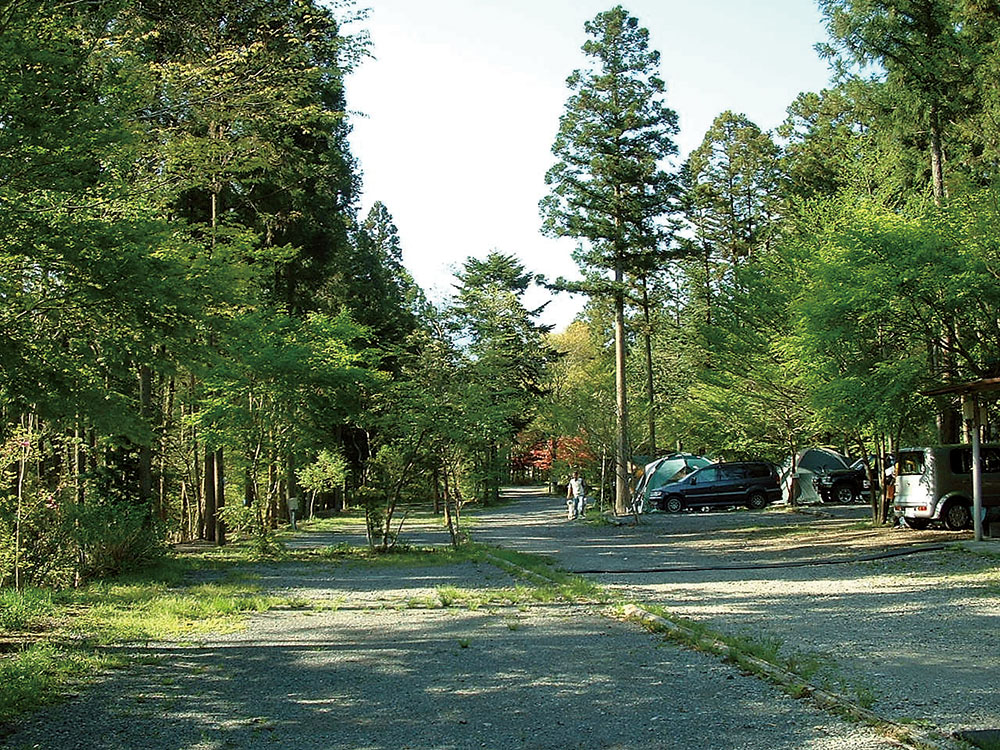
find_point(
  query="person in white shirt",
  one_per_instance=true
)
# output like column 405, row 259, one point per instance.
column 576, row 498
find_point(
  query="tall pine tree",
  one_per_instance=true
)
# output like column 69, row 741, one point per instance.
column 609, row 186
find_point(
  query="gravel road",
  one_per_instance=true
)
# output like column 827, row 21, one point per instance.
column 902, row 619
column 372, row 665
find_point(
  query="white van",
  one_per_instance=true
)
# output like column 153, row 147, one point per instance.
column 935, row 484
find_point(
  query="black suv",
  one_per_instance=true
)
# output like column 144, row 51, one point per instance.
column 750, row 483
column 842, row 486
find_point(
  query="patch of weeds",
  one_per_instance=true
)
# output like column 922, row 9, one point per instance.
column 346, row 521
column 806, row 665
column 449, row 595
column 463, row 642
column 298, row 602
column 425, row 602
column 919, row 723
column 336, row 552
column 130, row 612
column 399, row 556
column 765, row 649
column 798, row 690
column 512, row 623
column 749, row 651
column 25, row 610
column 866, row 696
column 560, row 586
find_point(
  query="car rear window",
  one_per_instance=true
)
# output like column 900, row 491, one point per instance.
column 910, row 462
column 758, row 471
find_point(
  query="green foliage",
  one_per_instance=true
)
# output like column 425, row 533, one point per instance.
column 113, row 537
column 608, row 186
column 248, row 522
column 167, row 266
column 503, row 372
column 26, row 609
column 326, row 474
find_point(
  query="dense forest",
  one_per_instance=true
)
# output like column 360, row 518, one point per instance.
column 197, row 324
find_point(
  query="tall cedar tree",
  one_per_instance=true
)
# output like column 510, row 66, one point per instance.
column 608, row 186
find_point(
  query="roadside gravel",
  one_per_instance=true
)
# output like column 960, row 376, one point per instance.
column 366, row 667
column 905, row 622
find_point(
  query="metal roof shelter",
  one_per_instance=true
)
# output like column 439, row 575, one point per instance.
column 972, row 413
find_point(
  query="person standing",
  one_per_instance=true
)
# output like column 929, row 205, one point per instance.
column 576, row 497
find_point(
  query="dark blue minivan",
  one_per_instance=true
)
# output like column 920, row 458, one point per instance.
column 754, row 484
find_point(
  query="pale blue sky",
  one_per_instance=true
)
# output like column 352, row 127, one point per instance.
column 459, row 108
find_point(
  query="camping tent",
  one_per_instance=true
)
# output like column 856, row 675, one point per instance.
column 807, row 463
column 664, row 470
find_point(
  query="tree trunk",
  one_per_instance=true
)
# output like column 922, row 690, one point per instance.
column 209, row 495
column 650, row 389
column 435, row 481
column 937, row 157
column 146, row 451
column 220, row 496
column 621, row 426
column 168, row 424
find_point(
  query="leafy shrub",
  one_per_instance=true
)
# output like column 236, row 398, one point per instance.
column 248, row 522
column 113, row 537
column 34, row 547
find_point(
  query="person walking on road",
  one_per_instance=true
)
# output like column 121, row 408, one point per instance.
column 576, row 497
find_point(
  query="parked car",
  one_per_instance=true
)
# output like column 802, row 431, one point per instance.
column 750, row 483
column 935, row 484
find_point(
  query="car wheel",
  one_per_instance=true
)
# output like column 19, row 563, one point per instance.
column 956, row 516
column 844, row 494
column 917, row 523
column 756, row 500
column 674, row 504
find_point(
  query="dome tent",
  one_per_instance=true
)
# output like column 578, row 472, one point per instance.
column 665, row 470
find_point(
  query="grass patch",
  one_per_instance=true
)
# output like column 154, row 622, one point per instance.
column 42, row 674
column 353, row 520
column 551, row 583
column 404, row 556
column 56, row 638
column 595, row 519
column 25, row 610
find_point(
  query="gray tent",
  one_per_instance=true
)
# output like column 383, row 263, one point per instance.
column 808, row 463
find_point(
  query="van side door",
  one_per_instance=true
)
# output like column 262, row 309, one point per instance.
column 733, row 484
